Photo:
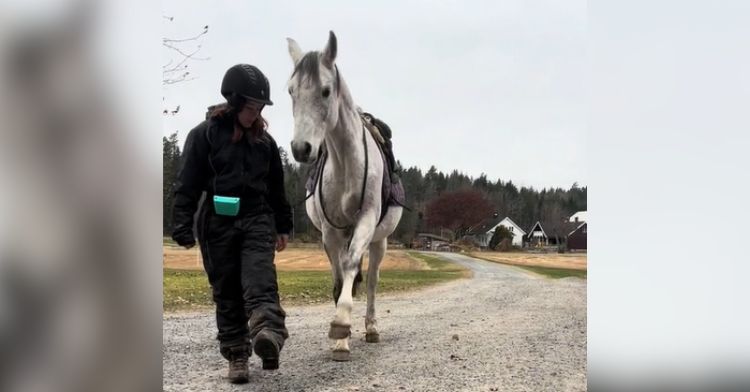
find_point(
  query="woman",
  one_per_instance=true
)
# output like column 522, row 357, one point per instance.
column 243, row 217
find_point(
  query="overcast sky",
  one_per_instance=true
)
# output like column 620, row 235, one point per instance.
column 482, row 87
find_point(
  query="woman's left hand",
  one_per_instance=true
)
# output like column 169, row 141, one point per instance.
column 281, row 241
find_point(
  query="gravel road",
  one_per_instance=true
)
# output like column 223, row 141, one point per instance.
column 503, row 330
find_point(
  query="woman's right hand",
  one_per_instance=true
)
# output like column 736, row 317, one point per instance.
column 184, row 239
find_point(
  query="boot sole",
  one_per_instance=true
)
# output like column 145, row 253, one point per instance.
column 268, row 353
column 239, row 380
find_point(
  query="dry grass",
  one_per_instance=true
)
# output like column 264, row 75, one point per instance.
column 291, row 259
column 550, row 260
column 304, row 276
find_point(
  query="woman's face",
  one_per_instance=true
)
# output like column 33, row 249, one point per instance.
column 249, row 113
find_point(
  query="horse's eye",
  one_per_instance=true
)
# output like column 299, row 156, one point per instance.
column 326, row 92
column 290, row 91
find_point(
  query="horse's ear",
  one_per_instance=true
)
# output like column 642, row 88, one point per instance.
column 329, row 53
column 294, row 50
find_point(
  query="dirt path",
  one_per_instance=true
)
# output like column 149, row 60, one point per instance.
column 503, row 330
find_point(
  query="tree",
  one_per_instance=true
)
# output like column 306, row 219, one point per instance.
column 554, row 222
column 501, row 233
column 171, row 161
column 431, row 183
column 481, row 183
column 181, row 53
column 458, row 210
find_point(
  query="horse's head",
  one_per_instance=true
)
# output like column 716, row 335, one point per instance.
column 314, row 88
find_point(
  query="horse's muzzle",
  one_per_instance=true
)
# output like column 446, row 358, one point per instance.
column 301, row 151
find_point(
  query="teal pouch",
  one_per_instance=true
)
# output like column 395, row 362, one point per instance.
column 225, row 205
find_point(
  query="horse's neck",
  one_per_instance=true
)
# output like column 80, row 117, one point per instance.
column 344, row 144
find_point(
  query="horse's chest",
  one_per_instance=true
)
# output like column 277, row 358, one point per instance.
column 338, row 196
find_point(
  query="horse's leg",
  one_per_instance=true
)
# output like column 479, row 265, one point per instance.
column 341, row 325
column 333, row 258
column 350, row 258
column 377, row 251
column 335, row 248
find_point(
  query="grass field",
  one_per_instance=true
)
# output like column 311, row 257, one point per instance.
column 188, row 289
column 305, row 277
column 291, row 259
column 557, row 273
column 552, row 265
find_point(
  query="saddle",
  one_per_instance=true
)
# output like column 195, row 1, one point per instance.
column 381, row 132
column 392, row 190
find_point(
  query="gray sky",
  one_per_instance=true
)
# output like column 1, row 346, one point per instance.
column 482, row 87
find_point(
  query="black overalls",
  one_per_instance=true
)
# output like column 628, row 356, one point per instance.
column 238, row 251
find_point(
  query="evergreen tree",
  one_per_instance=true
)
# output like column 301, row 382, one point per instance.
column 501, row 233
column 171, row 164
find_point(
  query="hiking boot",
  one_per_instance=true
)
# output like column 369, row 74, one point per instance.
column 238, row 372
column 267, row 347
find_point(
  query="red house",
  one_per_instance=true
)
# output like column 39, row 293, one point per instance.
column 577, row 237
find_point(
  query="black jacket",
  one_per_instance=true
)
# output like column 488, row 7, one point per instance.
column 212, row 163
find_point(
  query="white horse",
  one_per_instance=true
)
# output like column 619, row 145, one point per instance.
column 346, row 204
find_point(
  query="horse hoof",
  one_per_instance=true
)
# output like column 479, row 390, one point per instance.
column 338, row 331
column 341, row 356
column 372, row 337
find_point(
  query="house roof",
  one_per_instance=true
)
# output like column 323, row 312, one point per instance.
column 488, row 224
column 523, row 232
column 578, row 227
column 484, row 226
column 562, row 230
column 581, row 215
column 540, row 228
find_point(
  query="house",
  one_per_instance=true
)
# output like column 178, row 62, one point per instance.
column 482, row 233
column 579, row 216
column 515, row 229
column 537, row 236
column 577, row 237
column 551, row 233
column 429, row 241
column 479, row 234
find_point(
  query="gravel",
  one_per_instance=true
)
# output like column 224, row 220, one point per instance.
column 505, row 329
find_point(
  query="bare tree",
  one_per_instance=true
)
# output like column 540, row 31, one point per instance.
column 555, row 223
column 183, row 52
column 458, row 210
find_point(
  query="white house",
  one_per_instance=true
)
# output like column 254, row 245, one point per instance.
column 483, row 233
column 579, row 216
column 517, row 231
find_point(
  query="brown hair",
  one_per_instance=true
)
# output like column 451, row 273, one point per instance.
column 225, row 112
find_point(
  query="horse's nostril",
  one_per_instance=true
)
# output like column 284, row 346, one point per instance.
column 301, row 151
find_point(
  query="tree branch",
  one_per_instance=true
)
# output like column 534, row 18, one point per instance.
column 176, row 70
column 204, row 32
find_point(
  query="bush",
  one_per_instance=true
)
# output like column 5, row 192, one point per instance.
column 465, row 245
column 501, row 233
column 506, row 245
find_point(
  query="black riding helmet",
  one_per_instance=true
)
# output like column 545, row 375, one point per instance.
column 245, row 82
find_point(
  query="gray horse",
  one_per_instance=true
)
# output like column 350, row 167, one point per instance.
column 346, row 205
